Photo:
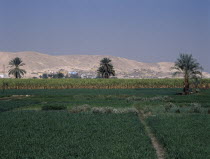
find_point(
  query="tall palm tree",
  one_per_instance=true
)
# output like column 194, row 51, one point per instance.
column 189, row 68
column 106, row 69
column 15, row 70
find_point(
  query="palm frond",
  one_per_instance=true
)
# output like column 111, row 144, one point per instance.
column 15, row 70
column 106, row 68
column 177, row 73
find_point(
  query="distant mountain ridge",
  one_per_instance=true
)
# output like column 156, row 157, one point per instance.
column 87, row 64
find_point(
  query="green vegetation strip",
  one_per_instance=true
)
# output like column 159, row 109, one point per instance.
column 94, row 83
column 184, row 136
column 180, row 122
column 7, row 105
column 75, row 97
column 154, row 100
column 58, row 134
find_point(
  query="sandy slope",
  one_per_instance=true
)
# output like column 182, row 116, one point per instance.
column 38, row 62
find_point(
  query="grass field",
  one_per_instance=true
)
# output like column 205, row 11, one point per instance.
column 179, row 122
column 150, row 100
column 95, row 83
column 183, row 136
column 64, row 135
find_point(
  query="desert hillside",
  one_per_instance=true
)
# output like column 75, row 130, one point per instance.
column 86, row 64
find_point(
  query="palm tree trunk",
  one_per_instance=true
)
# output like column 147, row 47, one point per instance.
column 186, row 85
column 16, row 75
column 106, row 75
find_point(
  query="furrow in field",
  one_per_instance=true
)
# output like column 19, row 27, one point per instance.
column 156, row 144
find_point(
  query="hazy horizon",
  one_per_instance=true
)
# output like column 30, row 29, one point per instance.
column 143, row 30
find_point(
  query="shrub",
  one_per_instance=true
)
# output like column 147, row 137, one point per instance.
column 175, row 109
column 125, row 110
column 82, row 108
column 195, row 108
column 156, row 98
column 114, row 110
column 54, row 107
column 102, row 110
column 170, row 107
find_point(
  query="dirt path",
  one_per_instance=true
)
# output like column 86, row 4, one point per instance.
column 157, row 146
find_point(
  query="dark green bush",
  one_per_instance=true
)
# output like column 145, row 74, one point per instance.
column 195, row 108
column 54, row 107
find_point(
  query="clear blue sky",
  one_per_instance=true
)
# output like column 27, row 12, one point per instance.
column 144, row 30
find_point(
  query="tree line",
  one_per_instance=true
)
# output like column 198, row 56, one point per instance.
column 185, row 65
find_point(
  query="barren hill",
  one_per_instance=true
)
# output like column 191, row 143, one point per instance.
column 88, row 64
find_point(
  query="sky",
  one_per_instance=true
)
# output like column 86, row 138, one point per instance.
column 142, row 30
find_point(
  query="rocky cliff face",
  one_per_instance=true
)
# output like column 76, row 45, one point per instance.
column 86, row 64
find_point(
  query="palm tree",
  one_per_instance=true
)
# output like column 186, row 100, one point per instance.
column 106, row 69
column 189, row 68
column 16, row 70
column 60, row 75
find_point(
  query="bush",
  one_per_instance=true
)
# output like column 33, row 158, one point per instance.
column 102, row 110
column 114, row 110
column 196, row 108
column 156, row 98
column 82, row 108
column 54, row 107
column 170, row 107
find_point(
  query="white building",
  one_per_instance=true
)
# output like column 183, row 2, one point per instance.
column 3, row 75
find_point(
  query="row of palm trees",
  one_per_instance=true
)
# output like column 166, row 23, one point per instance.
column 105, row 70
column 185, row 65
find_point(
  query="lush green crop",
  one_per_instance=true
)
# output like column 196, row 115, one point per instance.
column 6, row 105
column 183, row 136
column 53, row 135
column 154, row 100
column 175, row 131
column 95, row 83
column 92, row 92
column 167, row 97
column 77, row 97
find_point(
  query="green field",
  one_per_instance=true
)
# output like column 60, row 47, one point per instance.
column 179, row 122
column 153, row 100
column 64, row 135
column 184, row 136
column 95, row 83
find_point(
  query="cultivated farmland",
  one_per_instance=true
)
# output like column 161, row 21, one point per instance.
column 64, row 135
column 95, row 83
column 184, row 136
column 103, row 123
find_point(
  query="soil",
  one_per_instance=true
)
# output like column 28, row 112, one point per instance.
column 160, row 151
